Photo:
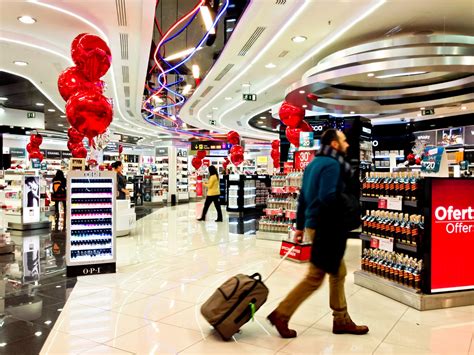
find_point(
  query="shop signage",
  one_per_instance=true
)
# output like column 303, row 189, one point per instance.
column 450, row 136
column 30, row 114
column 111, row 147
column 218, row 153
column 452, row 234
column 213, row 122
column 53, row 154
column 249, row 97
column 160, row 152
column 469, row 135
column 206, row 163
column 303, row 158
column 427, row 112
column 262, row 160
column 306, row 139
column 66, row 154
column 287, row 167
column 182, row 153
column 428, row 137
column 432, row 160
column 18, row 152
column 210, row 145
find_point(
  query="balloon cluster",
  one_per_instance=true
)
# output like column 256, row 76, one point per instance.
column 33, row 147
column 275, row 154
column 75, row 144
column 197, row 160
column 226, row 163
column 87, row 110
column 293, row 117
column 236, row 152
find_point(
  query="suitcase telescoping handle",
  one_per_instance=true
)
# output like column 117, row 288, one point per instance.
column 282, row 259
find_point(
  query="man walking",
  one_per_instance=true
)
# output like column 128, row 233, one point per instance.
column 323, row 215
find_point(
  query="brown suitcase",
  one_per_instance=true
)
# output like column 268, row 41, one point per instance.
column 234, row 302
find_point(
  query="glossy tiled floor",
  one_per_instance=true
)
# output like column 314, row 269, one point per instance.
column 172, row 263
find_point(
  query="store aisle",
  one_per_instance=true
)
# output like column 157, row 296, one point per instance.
column 172, row 263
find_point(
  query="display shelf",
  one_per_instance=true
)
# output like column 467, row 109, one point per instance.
column 91, row 221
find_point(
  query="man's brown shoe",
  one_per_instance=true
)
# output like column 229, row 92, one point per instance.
column 347, row 326
column 281, row 325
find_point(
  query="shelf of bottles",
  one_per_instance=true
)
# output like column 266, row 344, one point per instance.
column 393, row 235
column 281, row 203
column 91, row 225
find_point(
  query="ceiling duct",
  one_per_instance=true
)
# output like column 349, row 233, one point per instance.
column 125, row 74
column 224, row 72
column 239, row 123
column 127, row 102
column 280, row 2
column 191, row 108
column 283, row 54
column 121, row 13
column 126, row 91
column 124, row 46
column 251, row 41
column 205, row 92
column 130, row 113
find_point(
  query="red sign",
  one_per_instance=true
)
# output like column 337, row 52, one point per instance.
column 452, row 235
column 301, row 253
column 206, row 162
column 287, row 167
column 303, row 158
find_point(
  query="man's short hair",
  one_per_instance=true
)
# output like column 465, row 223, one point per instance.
column 328, row 136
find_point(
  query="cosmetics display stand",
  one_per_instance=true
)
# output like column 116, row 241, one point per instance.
column 91, row 223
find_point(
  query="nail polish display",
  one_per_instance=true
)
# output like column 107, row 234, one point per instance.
column 91, row 220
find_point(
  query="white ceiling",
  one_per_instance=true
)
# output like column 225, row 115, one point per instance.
column 45, row 45
column 329, row 25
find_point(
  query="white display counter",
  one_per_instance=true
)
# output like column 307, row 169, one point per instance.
column 126, row 218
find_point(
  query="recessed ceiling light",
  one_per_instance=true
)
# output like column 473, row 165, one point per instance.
column 352, row 112
column 209, row 116
column 302, row 91
column 26, row 20
column 260, row 122
column 48, row 322
column 39, row 104
column 228, row 98
column 464, row 108
column 263, row 117
column 304, row 106
column 51, row 110
column 418, row 114
column 60, row 125
column 63, row 116
column 422, row 108
column 215, row 108
column 20, row 63
column 401, row 74
column 270, row 66
column 3, row 98
column 246, row 85
column 2, row 345
column 370, row 75
column 299, row 39
column 38, row 334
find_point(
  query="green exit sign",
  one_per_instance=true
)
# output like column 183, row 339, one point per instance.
column 30, row 114
column 427, row 112
column 249, row 97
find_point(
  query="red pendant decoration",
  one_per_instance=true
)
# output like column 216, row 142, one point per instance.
column 293, row 136
column 233, row 137
column 196, row 163
column 92, row 55
column 291, row 115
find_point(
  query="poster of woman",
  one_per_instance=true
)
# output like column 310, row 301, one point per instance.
column 31, row 199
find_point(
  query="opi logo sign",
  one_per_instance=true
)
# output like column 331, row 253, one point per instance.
column 91, row 270
column 317, row 128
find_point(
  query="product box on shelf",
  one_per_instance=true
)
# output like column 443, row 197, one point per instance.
column 90, row 237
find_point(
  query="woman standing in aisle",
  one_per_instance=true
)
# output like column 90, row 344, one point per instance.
column 213, row 192
column 122, row 191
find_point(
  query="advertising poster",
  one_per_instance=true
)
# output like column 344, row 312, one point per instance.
column 452, row 230
column 303, row 158
column 31, row 199
column 31, row 258
column 450, row 136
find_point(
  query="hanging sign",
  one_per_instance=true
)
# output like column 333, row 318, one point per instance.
column 249, row 97
column 303, row 158
column 432, row 160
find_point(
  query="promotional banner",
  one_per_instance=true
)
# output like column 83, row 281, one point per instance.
column 432, row 159
column 303, row 158
column 31, row 199
column 31, row 258
column 452, row 235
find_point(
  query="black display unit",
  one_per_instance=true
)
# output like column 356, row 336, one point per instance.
column 246, row 193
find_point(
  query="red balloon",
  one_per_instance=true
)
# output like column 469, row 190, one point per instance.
column 305, row 127
column 275, row 144
column 225, row 164
column 30, row 148
column 276, row 164
column 36, row 139
column 417, row 161
column 275, row 154
column 92, row 162
column 233, row 137
column 89, row 113
column 92, row 55
column 120, row 149
column 36, row 155
column 72, row 145
column 196, row 162
column 291, row 115
column 237, row 159
column 70, row 81
column 79, row 152
column 201, row 154
column 101, row 167
column 312, row 97
column 293, row 135
column 74, row 136
column 236, row 149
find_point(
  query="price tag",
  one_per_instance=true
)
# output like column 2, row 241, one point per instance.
column 382, row 243
column 432, row 160
column 390, row 203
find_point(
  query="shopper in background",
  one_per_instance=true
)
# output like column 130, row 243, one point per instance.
column 59, row 194
column 122, row 191
column 326, row 213
column 213, row 192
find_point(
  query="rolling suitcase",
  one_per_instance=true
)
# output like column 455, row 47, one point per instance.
column 235, row 302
